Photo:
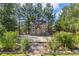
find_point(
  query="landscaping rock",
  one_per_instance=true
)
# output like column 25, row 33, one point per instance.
column 60, row 52
column 69, row 52
column 38, row 45
column 38, row 48
column 76, row 51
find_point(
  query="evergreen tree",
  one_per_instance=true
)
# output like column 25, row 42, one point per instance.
column 8, row 19
column 48, row 12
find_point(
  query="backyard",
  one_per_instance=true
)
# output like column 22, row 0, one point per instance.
column 31, row 29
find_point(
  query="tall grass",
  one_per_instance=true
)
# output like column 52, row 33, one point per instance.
column 24, row 44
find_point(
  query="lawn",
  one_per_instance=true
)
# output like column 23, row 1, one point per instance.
column 61, row 54
column 41, row 55
column 12, row 54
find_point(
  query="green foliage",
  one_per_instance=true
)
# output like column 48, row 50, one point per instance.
column 50, row 16
column 69, row 19
column 8, row 17
column 54, row 43
column 76, row 39
column 9, row 40
column 2, row 30
column 62, row 39
column 24, row 44
column 32, row 12
column 10, row 54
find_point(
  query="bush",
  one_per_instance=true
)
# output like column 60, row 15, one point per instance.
column 24, row 44
column 76, row 39
column 65, row 38
column 2, row 30
column 54, row 43
column 9, row 40
column 62, row 39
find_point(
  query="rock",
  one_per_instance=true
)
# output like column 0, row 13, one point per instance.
column 52, row 52
column 38, row 45
column 69, row 52
column 1, row 50
column 36, row 52
column 76, row 51
column 38, row 48
column 60, row 52
column 39, row 38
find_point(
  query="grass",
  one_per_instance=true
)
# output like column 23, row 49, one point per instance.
column 61, row 54
column 12, row 54
column 43, row 55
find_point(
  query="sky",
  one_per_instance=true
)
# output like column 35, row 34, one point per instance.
column 58, row 8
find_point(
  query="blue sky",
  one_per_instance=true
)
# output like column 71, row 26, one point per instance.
column 58, row 8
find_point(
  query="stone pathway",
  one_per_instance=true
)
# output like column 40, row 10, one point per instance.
column 38, row 48
column 38, row 45
column 39, row 38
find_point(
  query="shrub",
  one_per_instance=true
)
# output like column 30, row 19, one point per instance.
column 2, row 30
column 9, row 40
column 54, row 43
column 24, row 44
column 62, row 39
column 76, row 39
column 65, row 38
